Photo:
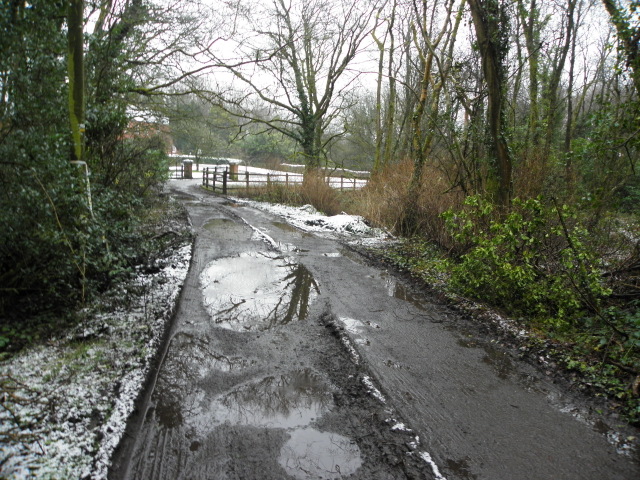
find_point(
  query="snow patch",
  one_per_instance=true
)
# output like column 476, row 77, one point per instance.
column 66, row 403
column 372, row 389
column 307, row 218
column 436, row 472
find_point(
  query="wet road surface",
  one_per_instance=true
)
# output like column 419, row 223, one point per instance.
column 273, row 351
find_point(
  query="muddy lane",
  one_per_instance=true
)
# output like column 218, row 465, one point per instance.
column 254, row 382
column 292, row 357
column 479, row 412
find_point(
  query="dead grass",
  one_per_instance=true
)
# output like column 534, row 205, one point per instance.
column 385, row 200
column 313, row 190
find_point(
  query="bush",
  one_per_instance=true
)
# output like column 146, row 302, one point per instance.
column 533, row 260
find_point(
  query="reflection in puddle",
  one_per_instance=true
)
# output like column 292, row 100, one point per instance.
column 191, row 360
column 256, row 291
column 289, row 228
column 195, row 349
column 287, row 401
column 216, row 223
column 398, row 290
column 461, row 469
column 500, row 361
column 320, row 455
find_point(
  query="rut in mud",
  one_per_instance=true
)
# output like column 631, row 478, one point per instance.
column 291, row 357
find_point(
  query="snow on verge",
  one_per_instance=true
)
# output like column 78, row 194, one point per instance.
column 65, row 404
column 307, row 218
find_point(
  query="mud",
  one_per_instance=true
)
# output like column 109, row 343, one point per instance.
column 292, row 357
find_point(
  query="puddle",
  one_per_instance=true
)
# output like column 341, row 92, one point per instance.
column 398, row 290
column 496, row 358
column 350, row 254
column 182, row 196
column 216, row 223
column 285, row 401
column 195, row 349
column 310, row 454
column 500, row 361
column 461, row 469
column 192, row 359
column 290, row 228
column 257, row 291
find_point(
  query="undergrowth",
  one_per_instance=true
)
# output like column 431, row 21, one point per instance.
column 150, row 229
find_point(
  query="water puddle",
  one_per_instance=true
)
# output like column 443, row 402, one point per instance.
column 196, row 351
column 284, row 226
column 286, row 401
column 398, row 290
column 350, row 254
column 257, row 291
column 461, row 469
column 216, row 223
column 496, row 358
column 310, row 454
column 192, row 359
column 500, row 361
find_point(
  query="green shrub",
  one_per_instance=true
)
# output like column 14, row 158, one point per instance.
column 533, row 261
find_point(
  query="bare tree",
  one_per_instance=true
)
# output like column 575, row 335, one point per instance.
column 294, row 57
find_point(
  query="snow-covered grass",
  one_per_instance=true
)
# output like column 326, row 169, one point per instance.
column 352, row 228
column 65, row 403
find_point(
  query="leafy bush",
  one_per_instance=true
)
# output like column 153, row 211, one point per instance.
column 534, row 260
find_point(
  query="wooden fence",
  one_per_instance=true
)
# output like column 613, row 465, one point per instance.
column 223, row 180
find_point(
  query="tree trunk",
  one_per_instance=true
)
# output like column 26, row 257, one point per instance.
column 487, row 32
column 75, row 68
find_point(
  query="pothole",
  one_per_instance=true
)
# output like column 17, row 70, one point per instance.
column 399, row 291
column 216, row 223
column 310, row 453
column 290, row 228
column 286, row 401
column 257, row 291
column 195, row 351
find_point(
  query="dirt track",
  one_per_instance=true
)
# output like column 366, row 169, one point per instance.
column 279, row 357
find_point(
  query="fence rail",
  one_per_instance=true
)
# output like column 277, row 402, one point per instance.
column 177, row 173
column 223, row 180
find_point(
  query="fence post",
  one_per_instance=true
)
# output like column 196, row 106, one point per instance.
column 246, row 174
column 215, row 178
column 225, row 173
column 341, row 183
column 268, row 180
column 286, row 179
column 354, row 183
